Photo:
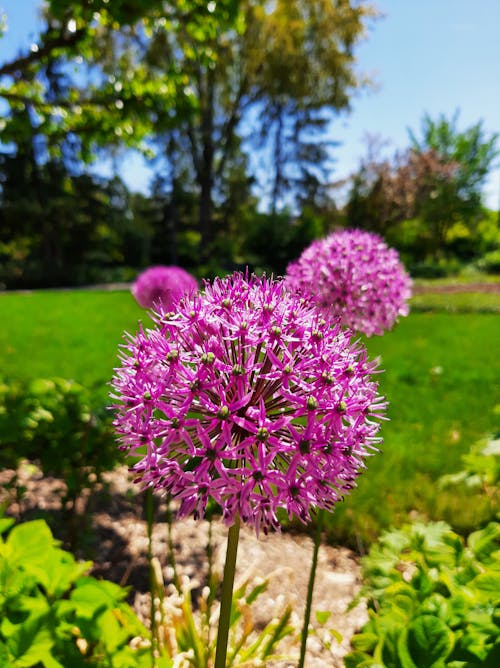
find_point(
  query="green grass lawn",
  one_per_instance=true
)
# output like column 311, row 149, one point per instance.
column 441, row 378
column 71, row 334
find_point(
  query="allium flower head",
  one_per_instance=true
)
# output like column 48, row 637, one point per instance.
column 246, row 394
column 162, row 285
column 355, row 276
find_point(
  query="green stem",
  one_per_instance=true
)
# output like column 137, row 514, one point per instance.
column 227, row 594
column 210, row 577
column 170, row 544
column 149, row 503
column 310, row 588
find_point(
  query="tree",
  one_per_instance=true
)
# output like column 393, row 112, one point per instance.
column 437, row 180
column 285, row 61
column 136, row 71
column 64, row 105
column 470, row 155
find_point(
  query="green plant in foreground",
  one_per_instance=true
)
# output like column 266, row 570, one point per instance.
column 432, row 600
column 55, row 616
column 481, row 472
column 50, row 421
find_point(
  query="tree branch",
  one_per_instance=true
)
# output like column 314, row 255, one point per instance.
column 64, row 39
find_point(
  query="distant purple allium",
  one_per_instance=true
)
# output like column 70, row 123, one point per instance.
column 354, row 276
column 246, row 394
column 162, row 285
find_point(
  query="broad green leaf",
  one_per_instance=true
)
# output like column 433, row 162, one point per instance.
column 5, row 523
column 364, row 642
column 429, row 641
column 31, row 644
column 29, row 543
column 387, row 652
column 488, row 584
column 358, row 660
column 484, row 542
column 4, row 655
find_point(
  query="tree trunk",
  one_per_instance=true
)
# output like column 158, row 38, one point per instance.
column 205, row 212
column 278, row 159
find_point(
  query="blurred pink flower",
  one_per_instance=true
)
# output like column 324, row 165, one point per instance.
column 353, row 275
column 162, row 284
column 246, row 394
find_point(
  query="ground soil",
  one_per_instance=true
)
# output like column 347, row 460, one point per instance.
column 117, row 543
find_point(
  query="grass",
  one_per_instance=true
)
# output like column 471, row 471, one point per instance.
column 441, row 378
column 70, row 334
column 459, row 302
column 442, row 381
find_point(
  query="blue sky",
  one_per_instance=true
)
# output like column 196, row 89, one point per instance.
column 427, row 56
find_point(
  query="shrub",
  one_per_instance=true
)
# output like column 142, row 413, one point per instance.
column 490, row 262
column 480, row 476
column 51, row 421
column 53, row 615
column 432, row 600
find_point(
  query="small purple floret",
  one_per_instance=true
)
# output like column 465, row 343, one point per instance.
column 248, row 395
column 355, row 276
column 162, row 285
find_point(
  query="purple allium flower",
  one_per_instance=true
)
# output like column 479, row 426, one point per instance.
column 246, row 394
column 355, row 276
column 162, row 284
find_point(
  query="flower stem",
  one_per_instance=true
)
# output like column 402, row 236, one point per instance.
column 149, row 503
column 310, row 588
column 227, row 594
column 171, row 549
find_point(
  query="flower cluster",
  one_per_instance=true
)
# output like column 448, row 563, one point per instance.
column 162, row 285
column 248, row 395
column 355, row 276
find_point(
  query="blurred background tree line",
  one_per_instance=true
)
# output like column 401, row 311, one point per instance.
column 232, row 102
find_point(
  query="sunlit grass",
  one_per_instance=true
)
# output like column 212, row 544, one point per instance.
column 71, row 334
column 441, row 378
column 457, row 302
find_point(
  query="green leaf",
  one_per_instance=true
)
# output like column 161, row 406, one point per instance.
column 5, row 524
column 484, row 542
column 364, row 642
column 31, row 644
column 29, row 543
column 4, row 655
column 322, row 616
column 358, row 660
column 493, row 658
column 489, row 584
column 429, row 641
column 91, row 594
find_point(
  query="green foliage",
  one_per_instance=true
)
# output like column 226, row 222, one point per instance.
column 182, row 78
column 433, row 601
column 274, row 240
column 55, row 616
column 471, row 153
column 58, row 228
column 490, row 262
column 426, row 201
column 50, row 421
column 481, row 472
